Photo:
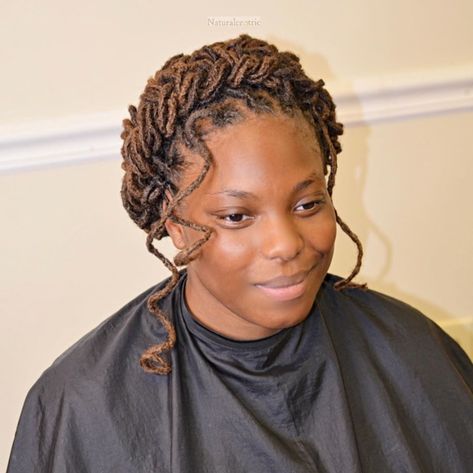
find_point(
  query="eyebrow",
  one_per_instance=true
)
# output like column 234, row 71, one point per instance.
column 300, row 186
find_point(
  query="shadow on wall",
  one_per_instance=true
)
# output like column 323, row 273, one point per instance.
column 349, row 191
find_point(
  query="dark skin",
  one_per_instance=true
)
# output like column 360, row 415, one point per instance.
column 285, row 228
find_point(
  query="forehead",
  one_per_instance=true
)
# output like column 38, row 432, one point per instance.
column 276, row 149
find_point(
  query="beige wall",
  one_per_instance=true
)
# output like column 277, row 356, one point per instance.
column 65, row 57
column 70, row 257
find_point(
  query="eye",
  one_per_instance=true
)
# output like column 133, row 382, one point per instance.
column 233, row 218
column 312, row 205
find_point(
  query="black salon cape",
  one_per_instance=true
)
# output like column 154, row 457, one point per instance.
column 365, row 384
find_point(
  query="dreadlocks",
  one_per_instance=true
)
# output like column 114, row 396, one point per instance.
column 210, row 85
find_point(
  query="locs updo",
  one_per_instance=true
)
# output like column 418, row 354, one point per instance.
column 212, row 85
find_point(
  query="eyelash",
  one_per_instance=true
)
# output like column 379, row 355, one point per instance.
column 223, row 218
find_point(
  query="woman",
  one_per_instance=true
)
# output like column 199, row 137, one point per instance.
column 253, row 357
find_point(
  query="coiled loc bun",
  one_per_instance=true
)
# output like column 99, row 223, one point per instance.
column 213, row 84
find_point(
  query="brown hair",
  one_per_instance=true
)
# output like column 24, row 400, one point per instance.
column 210, row 85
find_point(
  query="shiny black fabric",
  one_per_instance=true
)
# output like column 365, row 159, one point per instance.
column 364, row 384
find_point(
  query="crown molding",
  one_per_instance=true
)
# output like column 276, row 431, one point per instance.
column 404, row 96
column 86, row 138
column 65, row 140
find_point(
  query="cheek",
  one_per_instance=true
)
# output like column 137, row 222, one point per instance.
column 322, row 232
column 329, row 234
column 226, row 252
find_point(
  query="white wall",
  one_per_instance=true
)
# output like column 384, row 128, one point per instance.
column 71, row 257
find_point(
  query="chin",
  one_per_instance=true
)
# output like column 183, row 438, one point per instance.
column 286, row 320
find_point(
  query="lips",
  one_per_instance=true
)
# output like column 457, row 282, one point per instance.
column 285, row 288
column 285, row 281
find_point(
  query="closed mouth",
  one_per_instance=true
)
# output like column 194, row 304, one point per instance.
column 286, row 281
column 279, row 290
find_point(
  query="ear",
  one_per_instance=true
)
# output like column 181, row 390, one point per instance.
column 175, row 231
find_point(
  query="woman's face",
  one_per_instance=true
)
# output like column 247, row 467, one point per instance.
column 274, row 223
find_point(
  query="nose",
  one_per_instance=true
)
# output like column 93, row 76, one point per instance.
column 281, row 238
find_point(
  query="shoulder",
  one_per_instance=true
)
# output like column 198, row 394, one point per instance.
column 385, row 328
column 78, row 412
column 374, row 306
column 110, row 350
